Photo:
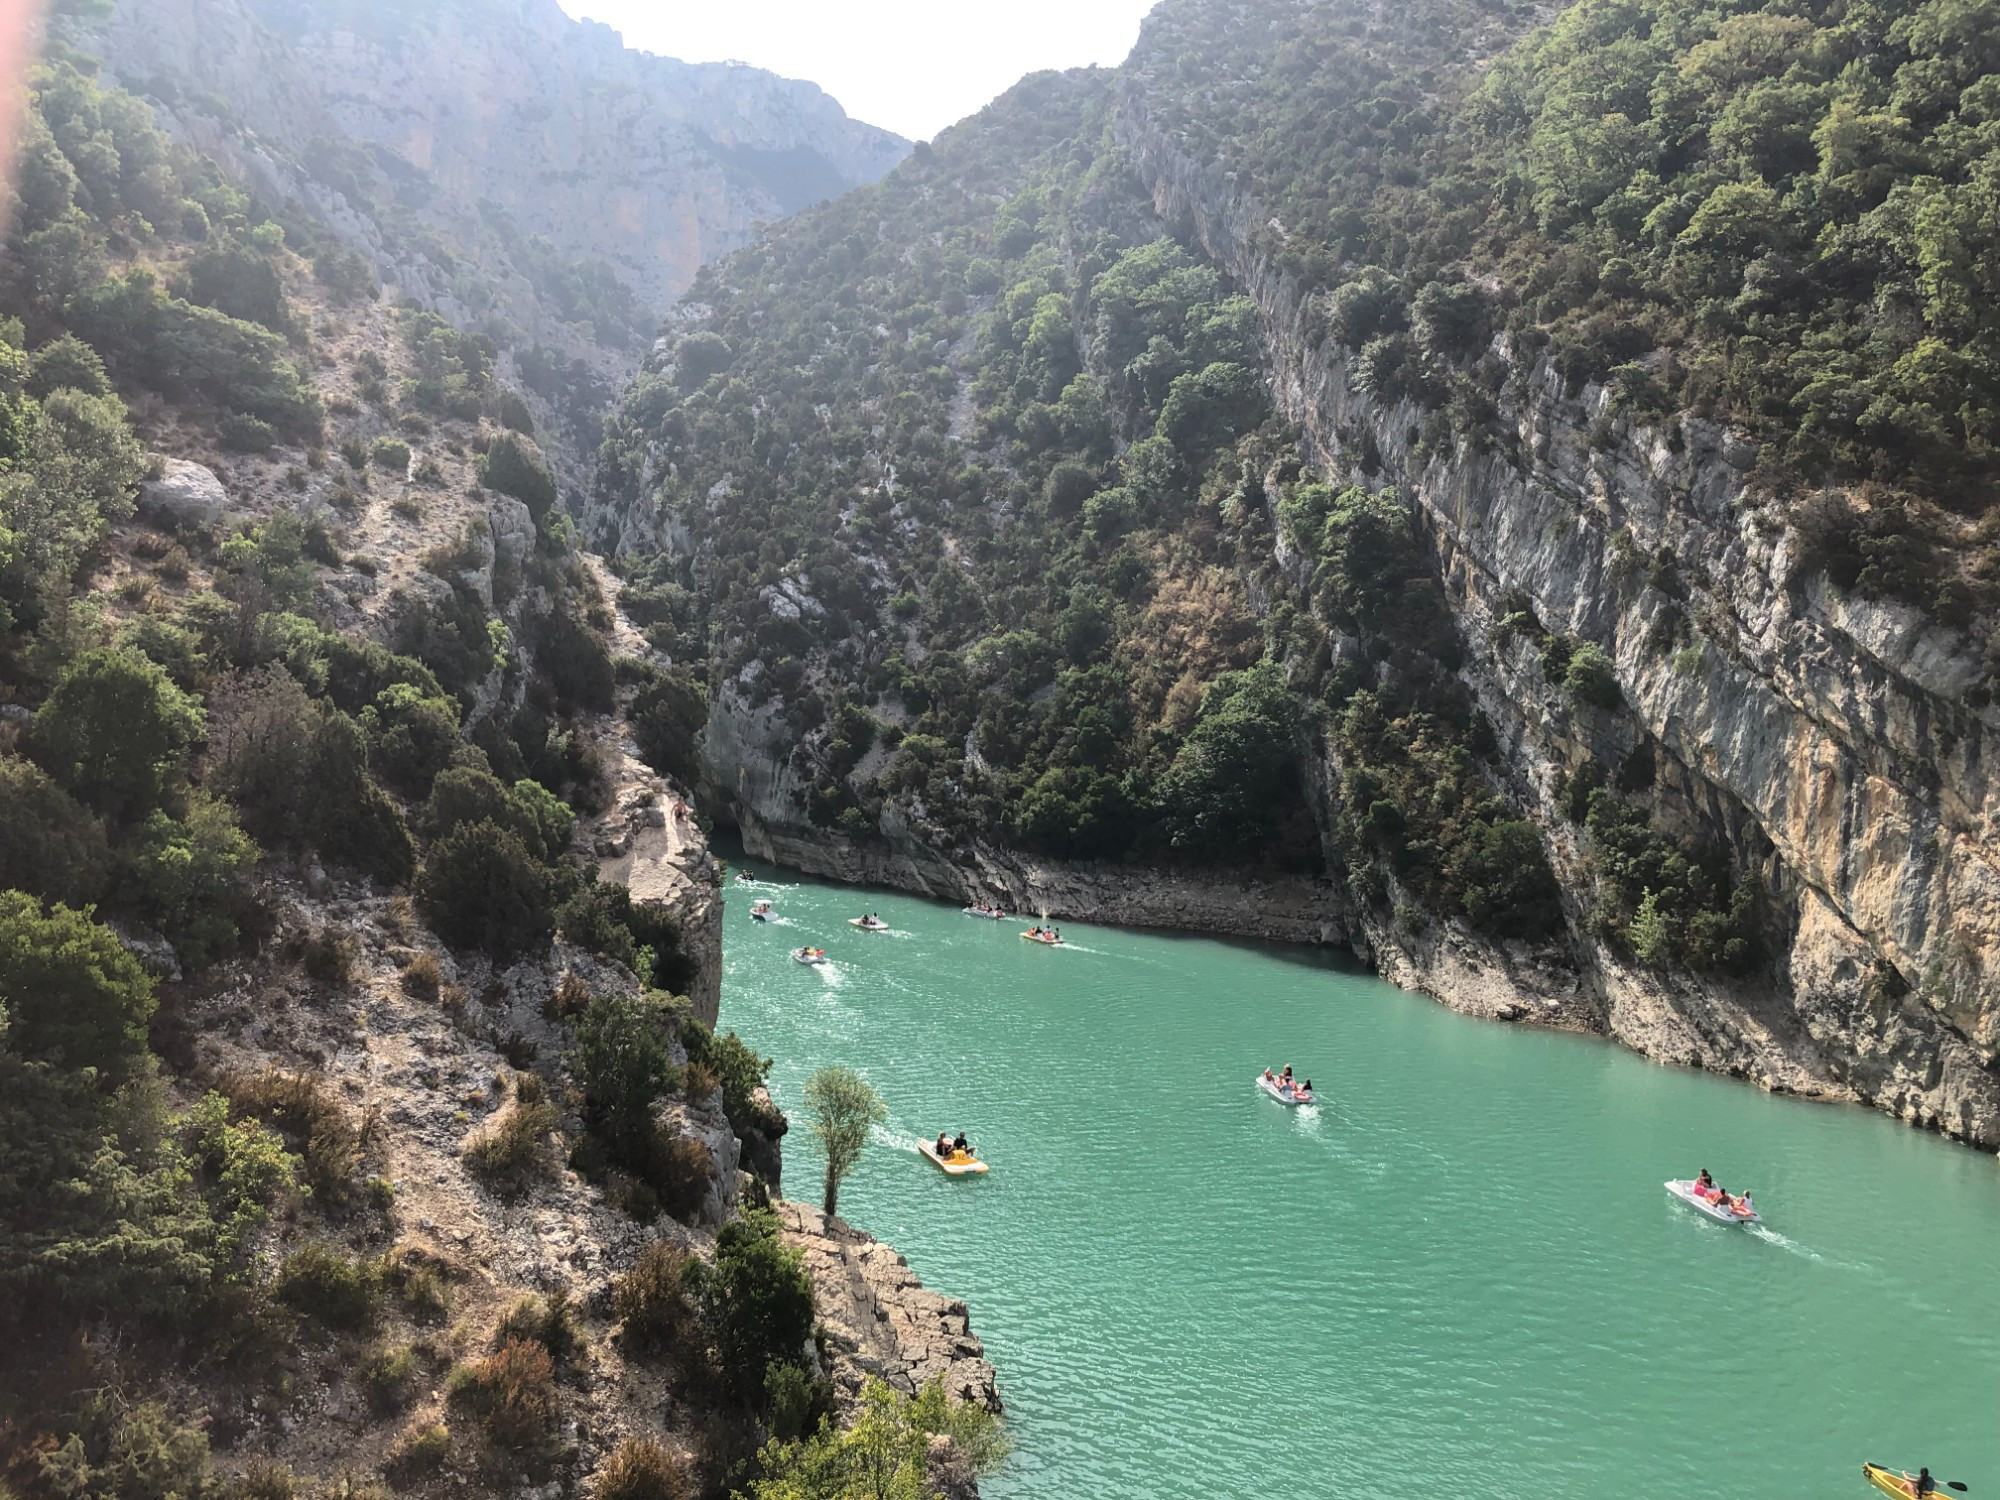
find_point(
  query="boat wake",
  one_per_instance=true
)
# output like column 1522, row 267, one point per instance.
column 1771, row 1236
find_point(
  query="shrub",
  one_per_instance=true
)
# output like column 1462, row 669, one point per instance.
column 653, row 1300
column 757, row 1302
column 421, row 1449
column 1589, row 679
column 121, row 1451
column 48, row 844
column 512, row 1152
column 327, row 1284
column 642, row 1469
column 186, row 876
column 66, row 363
column 604, row 918
column 512, row 1393
column 117, row 733
column 411, row 737
column 421, row 977
column 240, row 434
column 312, row 1119
column 1507, row 888
column 329, row 956
column 69, row 992
column 264, row 1479
column 513, row 465
column 481, row 889
column 624, row 1060
column 390, row 454
column 387, row 1377
column 549, row 1321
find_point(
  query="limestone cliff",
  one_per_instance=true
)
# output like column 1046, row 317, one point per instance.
column 1826, row 737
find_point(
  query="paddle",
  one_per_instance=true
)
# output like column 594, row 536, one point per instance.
column 1950, row 1484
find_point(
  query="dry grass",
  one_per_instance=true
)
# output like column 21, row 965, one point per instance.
column 512, row 1153
column 422, row 977
column 641, row 1468
column 512, row 1393
column 652, row 1299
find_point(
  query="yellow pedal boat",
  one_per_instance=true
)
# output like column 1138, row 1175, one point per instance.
column 958, row 1164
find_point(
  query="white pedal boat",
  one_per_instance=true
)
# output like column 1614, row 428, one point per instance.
column 1683, row 1189
column 761, row 912
column 991, row 916
column 1290, row 1098
column 809, row 955
column 867, row 926
column 953, row 1165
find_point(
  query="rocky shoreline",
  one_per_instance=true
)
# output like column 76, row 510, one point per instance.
column 880, row 1320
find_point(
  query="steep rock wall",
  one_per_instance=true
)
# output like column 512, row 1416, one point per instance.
column 1824, row 737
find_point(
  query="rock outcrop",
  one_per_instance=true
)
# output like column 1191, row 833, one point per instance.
column 880, row 1319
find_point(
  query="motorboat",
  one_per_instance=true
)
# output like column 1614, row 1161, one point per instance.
column 761, row 912
column 957, row 1164
column 868, row 924
column 1684, row 1190
column 991, row 913
column 1290, row 1095
column 809, row 955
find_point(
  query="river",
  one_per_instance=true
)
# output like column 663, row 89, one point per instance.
column 1460, row 1273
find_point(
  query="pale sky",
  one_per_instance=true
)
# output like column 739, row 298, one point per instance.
column 912, row 66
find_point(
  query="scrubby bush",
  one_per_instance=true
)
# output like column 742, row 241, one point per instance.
column 387, row 1377
column 128, row 1451
column 549, row 1321
column 512, row 1152
column 327, row 1284
column 481, row 889
column 641, row 1468
column 512, row 1393
column 1590, row 679
column 66, row 363
column 643, row 936
column 654, row 1301
column 391, row 455
column 186, row 878
column 312, row 1119
column 419, row 1450
column 421, row 977
column 624, row 1061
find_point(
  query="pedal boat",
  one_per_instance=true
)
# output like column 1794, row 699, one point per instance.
column 1683, row 1189
column 809, row 955
column 958, row 1164
column 1291, row 1098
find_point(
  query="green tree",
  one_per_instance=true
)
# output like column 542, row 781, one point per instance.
column 1226, row 789
column 1590, row 679
column 72, row 995
column 75, row 477
column 482, row 890
column 624, row 1061
column 757, row 1302
column 842, row 1109
column 117, row 733
column 411, row 737
column 667, row 718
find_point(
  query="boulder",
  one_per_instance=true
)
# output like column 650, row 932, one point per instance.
column 186, row 493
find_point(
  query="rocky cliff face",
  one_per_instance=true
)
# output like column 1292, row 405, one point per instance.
column 1826, row 738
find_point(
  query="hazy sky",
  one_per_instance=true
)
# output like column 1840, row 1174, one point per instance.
column 913, row 66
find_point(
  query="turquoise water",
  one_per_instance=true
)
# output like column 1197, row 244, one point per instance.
column 1461, row 1272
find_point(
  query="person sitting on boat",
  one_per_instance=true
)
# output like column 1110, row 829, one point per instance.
column 1306, row 1087
column 1923, row 1484
column 1704, row 1184
column 943, row 1147
column 1742, row 1206
column 1270, row 1077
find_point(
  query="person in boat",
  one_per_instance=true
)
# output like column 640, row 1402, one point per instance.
column 1270, row 1077
column 1742, row 1206
column 961, row 1147
column 1704, row 1183
column 1306, row 1087
column 1923, row 1484
column 943, row 1147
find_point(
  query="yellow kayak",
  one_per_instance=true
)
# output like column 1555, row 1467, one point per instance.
column 1889, row 1482
column 958, row 1164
